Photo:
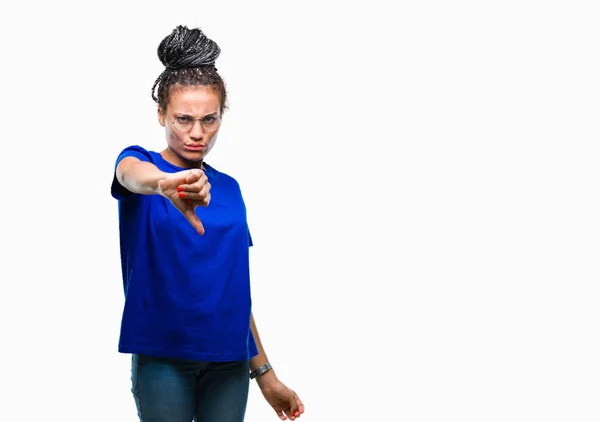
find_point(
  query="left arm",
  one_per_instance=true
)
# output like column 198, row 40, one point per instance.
column 261, row 358
column 284, row 400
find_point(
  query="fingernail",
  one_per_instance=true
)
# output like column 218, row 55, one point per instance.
column 181, row 194
column 179, row 188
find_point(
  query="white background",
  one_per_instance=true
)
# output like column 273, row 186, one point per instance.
column 421, row 184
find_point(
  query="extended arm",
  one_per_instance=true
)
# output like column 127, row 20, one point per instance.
column 185, row 189
column 139, row 176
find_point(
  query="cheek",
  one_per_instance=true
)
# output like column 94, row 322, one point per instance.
column 173, row 136
column 213, row 139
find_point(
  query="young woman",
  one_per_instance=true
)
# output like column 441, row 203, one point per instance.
column 184, row 238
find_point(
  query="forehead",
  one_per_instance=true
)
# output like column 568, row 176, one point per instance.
column 193, row 100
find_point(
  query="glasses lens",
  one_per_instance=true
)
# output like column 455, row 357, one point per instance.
column 211, row 123
column 183, row 124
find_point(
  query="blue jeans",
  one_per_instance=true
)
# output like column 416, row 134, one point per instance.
column 176, row 390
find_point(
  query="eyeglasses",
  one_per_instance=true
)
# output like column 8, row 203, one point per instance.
column 209, row 123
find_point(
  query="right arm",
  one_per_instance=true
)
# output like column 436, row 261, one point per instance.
column 185, row 189
column 139, row 176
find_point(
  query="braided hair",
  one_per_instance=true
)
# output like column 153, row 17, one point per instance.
column 189, row 57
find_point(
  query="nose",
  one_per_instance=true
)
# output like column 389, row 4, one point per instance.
column 197, row 131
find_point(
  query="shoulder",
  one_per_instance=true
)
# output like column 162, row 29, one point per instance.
column 138, row 152
column 135, row 151
column 221, row 176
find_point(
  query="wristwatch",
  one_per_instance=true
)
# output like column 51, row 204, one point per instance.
column 261, row 370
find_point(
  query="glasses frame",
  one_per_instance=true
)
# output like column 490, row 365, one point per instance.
column 201, row 125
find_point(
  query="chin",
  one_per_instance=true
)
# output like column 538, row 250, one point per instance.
column 190, row 157
column 195, row 159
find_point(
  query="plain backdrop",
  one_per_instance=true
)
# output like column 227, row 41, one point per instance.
column 421, row 179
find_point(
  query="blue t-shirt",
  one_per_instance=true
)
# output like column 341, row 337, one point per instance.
column 187, row 296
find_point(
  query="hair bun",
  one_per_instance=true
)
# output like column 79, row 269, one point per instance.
column 186, row 47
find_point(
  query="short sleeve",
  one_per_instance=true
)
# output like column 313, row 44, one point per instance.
column 117, row 190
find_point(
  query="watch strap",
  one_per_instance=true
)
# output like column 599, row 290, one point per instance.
column 261, row 370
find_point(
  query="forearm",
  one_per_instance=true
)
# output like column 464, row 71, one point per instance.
column 140, row 176
column 261, row 358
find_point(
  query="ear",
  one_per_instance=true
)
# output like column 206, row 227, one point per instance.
column 161, row 116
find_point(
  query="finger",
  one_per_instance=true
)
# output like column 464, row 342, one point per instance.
column 202, row 204
column 198, row 187
column 191, row 216
column 193, row 176
column 299, row 405
column 293, row 409
column 205, row 189
column 202, row 199
column 199, row 202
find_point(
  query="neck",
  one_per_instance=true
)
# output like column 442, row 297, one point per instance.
column 172, row 157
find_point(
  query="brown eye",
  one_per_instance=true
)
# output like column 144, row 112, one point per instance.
column 183, row 119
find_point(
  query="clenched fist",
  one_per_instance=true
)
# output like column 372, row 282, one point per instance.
column 187, row 190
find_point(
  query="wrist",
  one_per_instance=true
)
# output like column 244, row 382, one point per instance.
column 261, row 370
column 266, row 379
column 161, row 184
column 263, row 374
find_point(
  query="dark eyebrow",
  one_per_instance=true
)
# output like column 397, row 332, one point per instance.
column 216, row 113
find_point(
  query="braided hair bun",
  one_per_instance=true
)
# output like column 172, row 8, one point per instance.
column 189, row 57
column 186, row 47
